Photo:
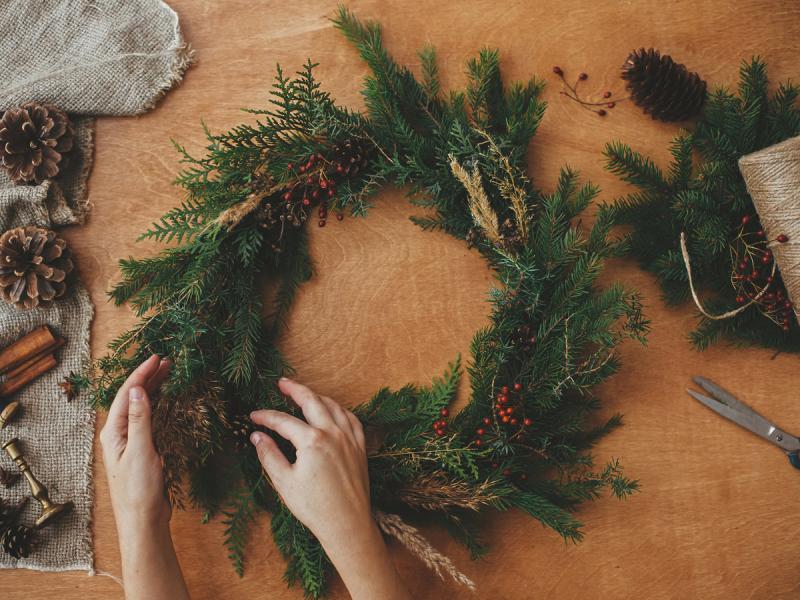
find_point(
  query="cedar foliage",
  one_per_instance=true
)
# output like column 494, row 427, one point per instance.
column 703, row 193
column 199, row 303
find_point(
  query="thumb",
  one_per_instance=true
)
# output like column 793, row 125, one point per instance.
column 270, row 456
column 139, row 427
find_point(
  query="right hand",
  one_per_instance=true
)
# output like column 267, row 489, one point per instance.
column 327, row 488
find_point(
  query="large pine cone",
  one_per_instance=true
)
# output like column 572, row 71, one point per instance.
column 34, row 139
column 17, row 540
column 666, row 90
column 34, row 264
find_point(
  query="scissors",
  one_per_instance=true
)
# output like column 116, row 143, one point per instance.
column 725, row 404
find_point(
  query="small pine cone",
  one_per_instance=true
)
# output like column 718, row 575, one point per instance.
column 664, row 89
column 17, row 540
column 241, row 427
column 351, row 156
column 34, row 264
column 34, row 139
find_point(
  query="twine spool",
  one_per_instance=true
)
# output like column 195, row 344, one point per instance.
column 772, row 176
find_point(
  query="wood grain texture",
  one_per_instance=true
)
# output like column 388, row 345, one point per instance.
column 391, row 304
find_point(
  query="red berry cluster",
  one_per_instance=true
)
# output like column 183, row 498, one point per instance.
column 507, row 415
column 440, row 425
column 571, row 92
column 754, row 277
column 315, row 183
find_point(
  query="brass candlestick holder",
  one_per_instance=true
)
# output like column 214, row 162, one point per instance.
column 50, row 510
column 8, row 413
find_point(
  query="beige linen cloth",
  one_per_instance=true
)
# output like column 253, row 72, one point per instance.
column 89, row 57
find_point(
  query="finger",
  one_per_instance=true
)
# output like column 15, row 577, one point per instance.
column 285, row 425
column 270, row 456
column 314, row 410
column 140, row 436
column 339, row 415
column 117, row 422
column 159, row 377
column 358, row 430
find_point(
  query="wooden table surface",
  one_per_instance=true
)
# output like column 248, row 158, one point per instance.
column 716, row 514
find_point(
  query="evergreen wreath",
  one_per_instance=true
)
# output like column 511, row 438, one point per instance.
column 706, row 198
column 520, row 442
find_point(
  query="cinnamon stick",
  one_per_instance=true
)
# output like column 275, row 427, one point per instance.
column 33, row 344
column 38, row 368
column 29, row 363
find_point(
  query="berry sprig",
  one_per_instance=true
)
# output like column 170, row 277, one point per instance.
column 754, row 275
column 440, row 425
column 571, row 91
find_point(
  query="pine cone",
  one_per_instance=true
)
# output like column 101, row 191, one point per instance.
column 34, row 264
column 34, row 140
column 17, row 540
column 350, row 156
column 666, row 90
column 241, row 427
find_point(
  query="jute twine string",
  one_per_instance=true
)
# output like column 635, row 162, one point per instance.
column 772, row 176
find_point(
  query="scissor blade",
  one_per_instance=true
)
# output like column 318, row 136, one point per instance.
column 750, row 421
column 720, row 394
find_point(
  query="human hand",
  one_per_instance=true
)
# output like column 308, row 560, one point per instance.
column 135, row 473
column 150, row 569
column 327, row 487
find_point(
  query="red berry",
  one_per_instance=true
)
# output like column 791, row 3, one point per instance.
column 607, row 95
column 306, row 201
column 506, row 472
column 480, row 431
column 583, row 76
column 601, row 112
column 321, row 223
column 740, row 299
column 611, row 104
column 315, row 194
column 504, row 389
column 444, row 412
column 287, row 196
column 478, row 442
column 509, row 410
column 523, row 476
column 760, row 233
column 495, row 465
column 528, row 422
column 513, row 421
column 766, row 259
column 782, row 239
column 339, row 216
column 558, row 71
column 302, row 169
column 340, row 169
column 330, row 192
column 745, row 219
column 440, row 432
column 502, row 398
column 323, row 183
column 505, row 419
column 486, row 421
column 517, row 387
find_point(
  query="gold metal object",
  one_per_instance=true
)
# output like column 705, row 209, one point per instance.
column 50, row 510
column 8, row 413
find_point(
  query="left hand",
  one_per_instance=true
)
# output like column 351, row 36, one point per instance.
column 134, row 469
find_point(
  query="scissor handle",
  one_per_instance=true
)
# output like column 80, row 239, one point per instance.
column 794, row 459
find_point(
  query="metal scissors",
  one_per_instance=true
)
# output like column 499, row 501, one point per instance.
column 725, row 404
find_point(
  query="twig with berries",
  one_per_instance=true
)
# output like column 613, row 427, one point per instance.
column 571, row 91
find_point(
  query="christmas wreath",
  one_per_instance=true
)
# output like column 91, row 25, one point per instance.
column 704, row 197
column 520, row 442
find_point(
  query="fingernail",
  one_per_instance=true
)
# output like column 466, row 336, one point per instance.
column 284, row 379
column 255, row 438
column 136, row 394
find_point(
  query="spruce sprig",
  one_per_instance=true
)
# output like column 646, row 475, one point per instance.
column 706, row 198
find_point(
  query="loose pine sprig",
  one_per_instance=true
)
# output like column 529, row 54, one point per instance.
column 522, row 439
column 707, row 199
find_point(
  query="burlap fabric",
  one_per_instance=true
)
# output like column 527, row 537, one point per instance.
column 89, row 57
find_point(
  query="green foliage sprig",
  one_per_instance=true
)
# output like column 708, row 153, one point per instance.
column 703, row 194
column 552, row 337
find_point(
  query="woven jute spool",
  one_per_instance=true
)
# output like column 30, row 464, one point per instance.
column 772, row 176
